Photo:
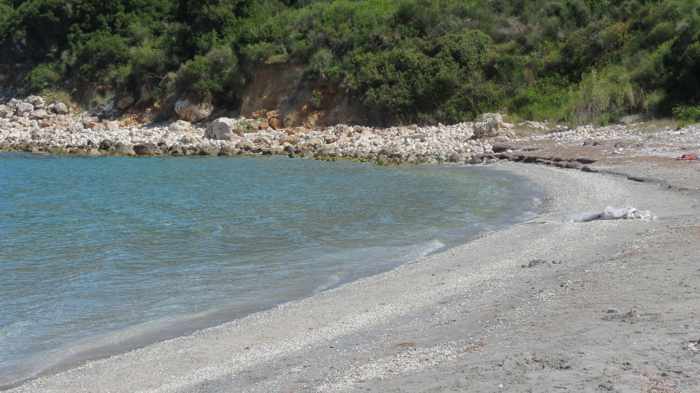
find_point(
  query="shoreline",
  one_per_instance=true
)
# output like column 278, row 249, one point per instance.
column 153, row 332
column 419, row 321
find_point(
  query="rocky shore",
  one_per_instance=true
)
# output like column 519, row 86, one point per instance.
column 32, row 125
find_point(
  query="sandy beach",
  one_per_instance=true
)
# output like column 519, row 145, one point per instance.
column 546, row 305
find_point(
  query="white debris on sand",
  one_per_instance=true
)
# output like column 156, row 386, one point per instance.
column 616, row 213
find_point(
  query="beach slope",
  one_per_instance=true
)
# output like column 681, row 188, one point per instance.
column 546, row 305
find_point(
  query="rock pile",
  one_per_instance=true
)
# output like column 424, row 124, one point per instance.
column 31, row 125
column 490, row 125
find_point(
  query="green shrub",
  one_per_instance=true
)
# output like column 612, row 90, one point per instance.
column 7, row 16
column 687, row 114
column 410, row 60
column 43, row 76
column 97, row 60
column 212, row 76
column 604, row 96
column 544, row 100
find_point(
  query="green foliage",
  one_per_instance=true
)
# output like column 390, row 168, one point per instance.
column 687, row 114
column 215, row 74
column 604, row 96
column 408, row 60
column 42, row 77
column 7, row 16
column 98, row 58
column 544, row 100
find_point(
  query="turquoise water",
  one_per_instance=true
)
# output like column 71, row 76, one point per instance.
column 100, row 255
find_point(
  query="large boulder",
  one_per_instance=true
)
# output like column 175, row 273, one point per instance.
column 59, row 108
column 225, row 129
column 490, row 125
column 5, row 111
column 24, row 108
column 181, row 127
column 39, row 114
column 146, row 149
column 274, row 120
column 193, row 111
column 36, row 101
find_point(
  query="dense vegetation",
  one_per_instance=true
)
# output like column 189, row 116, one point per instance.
column 415, row 60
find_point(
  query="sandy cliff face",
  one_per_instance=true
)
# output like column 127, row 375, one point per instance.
column 300, row 102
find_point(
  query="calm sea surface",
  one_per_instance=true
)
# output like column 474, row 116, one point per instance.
column 100, row 255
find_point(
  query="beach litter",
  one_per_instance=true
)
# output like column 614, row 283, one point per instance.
column 688, row 157
column 694, row 346
column 616, row 213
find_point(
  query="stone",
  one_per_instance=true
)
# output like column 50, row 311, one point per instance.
column 112, row 125
column 59, row 108
column 146, row 149
column 456, row 157
column 193, row 111
column 501, row 147
column 123, row 149
column 228, row 150
column 274, row 120
column 24, row 108
column 5, row 111
column 187, row 140
column 39, row 114
column 209, row 150
column 36, row 101
column 276, row 123
column 224, row 129
column 181, row 127
column 106, row 144
column 490, row 125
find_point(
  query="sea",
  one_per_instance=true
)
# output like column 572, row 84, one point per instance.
column 103, row 255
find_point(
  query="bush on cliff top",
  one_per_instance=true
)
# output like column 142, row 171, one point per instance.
column 413, row 60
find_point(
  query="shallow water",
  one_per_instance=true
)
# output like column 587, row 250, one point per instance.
column 99, row 255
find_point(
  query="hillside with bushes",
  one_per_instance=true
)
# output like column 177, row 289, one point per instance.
column 409, row 60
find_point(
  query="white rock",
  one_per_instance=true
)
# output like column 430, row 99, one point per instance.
column 490, row 125
column 23, row 108
column 224, row 129
column 191, row 111
column 58, row 108
column 39, row 114
column 180, row 127
column 5, row 111
column 36, row 101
